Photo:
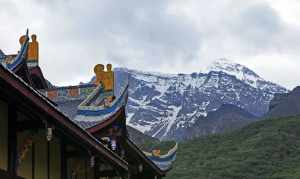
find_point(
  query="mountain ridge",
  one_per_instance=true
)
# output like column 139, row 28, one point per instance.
column 163, row 105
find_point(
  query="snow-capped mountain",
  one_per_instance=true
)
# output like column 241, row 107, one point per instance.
column 242, row 73
column 162, row 104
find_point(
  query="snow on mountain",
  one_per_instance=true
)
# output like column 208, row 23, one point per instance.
column 242, row 73
column 163, row 105
column 239, row 71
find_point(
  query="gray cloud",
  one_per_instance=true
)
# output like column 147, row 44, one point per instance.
column 168, row 36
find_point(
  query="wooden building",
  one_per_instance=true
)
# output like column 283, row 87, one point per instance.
column 74, row 132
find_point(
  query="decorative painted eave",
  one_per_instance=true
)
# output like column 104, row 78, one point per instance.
column 160, row 167
column 89, row 114
column 90, row 107
column 69, row 93
column 164, row 162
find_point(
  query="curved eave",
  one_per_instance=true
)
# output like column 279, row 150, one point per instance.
column 106, row 122
column 166, row 157
column 95, row 118
column 146, row 159
column 99, row 111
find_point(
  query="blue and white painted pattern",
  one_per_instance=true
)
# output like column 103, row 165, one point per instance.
column 98, row 111
column 63, row 93
column 96, row 95
column 89, row 116
column 164, row 162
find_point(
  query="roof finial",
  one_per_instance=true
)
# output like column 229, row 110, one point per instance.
column 106, row 78
column 99, row 71
column 33, row 49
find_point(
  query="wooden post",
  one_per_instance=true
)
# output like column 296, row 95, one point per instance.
column 12, row 141
column 48, row 159
column 86, row 168
column 96, row 168
column 33, row 161
column 63, row 159
column 96, row 172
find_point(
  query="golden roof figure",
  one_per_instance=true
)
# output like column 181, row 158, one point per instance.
column 99, row 71
column 109, row 78
column 33, row 49
column 22, row 39
column 106, row 78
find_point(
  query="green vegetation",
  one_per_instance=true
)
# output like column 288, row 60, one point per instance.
column 264, row 149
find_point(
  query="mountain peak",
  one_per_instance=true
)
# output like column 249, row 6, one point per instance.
column 241, row 72
column 232, row 68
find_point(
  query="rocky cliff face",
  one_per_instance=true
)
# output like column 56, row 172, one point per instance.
column 166, row 106
column 286, row 104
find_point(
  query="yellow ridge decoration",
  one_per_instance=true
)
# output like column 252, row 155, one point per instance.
column 105, row 78
column 33, row 49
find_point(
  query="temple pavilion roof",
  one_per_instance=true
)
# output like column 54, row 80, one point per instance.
column 83, row 103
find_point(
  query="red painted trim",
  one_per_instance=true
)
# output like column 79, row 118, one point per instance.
column 38, row 72
column 44, row 105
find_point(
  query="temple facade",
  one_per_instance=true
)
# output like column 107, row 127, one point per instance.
column 71, row 132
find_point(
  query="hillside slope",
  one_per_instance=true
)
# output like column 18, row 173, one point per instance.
column 264, row 149
column 227, row 118
column 286, row 104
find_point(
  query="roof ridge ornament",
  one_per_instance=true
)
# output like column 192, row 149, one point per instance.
column 105, row 78
column 33, row 52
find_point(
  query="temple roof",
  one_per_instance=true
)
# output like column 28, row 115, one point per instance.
column 85, row 109
column 82, row 102
column 2, row 55
column 69, row 107
column 85, row 104
column 14, row 82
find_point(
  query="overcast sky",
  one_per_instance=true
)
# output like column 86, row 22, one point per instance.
column 172, row 36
